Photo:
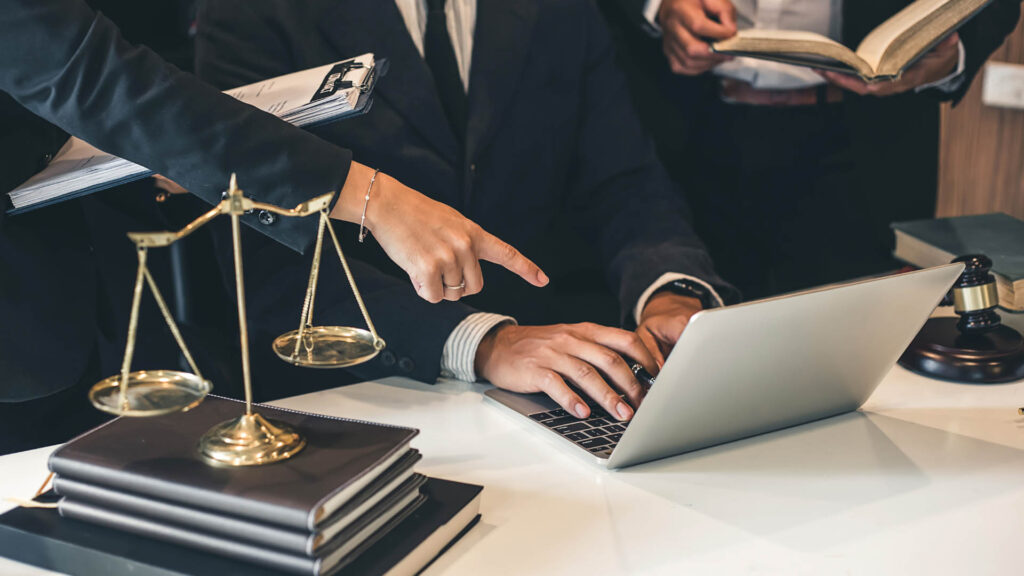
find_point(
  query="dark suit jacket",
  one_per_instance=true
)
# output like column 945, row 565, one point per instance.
column 556, row 162
column 70, row 67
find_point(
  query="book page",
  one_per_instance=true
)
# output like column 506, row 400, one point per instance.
column 787, row 45
column 912, row 31
column 284, row 93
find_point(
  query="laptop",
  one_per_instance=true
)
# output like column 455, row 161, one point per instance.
column 752, row 368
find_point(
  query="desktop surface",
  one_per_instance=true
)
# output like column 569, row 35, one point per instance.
column 928, row 478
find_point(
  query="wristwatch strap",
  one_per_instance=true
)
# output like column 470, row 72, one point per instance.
column 692, row 289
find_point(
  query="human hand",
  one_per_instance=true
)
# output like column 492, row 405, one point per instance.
column 167, row 185
column 687, row 25
column 437, row 247
column 938, row 63
column 663, row 320
column 544, row 358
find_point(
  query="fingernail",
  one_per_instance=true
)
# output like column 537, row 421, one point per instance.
column 542, row 277
column 580, row 410
column 624, row 411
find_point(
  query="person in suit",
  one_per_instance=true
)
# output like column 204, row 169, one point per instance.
column 69, row 66
column 513, row 112
column 794, row 176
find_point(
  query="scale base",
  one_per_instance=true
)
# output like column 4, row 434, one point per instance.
column 250, row 440
column 150, row 393
column 941, row 351
column 328, row 347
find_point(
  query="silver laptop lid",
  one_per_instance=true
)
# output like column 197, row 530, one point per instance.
column 752, row 368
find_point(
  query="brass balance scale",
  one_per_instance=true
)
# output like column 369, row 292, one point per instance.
column 250, row 439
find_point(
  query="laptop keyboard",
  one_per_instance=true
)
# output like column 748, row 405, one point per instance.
column 597, row 434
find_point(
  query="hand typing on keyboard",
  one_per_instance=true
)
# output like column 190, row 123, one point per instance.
column 550, row 358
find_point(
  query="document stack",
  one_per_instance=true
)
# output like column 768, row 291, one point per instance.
column 307, row 98
column 351, row 486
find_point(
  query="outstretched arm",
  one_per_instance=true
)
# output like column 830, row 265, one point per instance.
column 70, row 66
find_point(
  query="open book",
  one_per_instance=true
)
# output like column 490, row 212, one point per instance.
column 306, row 98
column 883, row 54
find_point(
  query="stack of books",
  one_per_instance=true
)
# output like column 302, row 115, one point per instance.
column 351, row 488
column 306, row 98
column 927, row 243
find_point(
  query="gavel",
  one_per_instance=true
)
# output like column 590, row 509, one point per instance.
column 976, row 347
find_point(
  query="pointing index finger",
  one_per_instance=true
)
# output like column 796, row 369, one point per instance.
column 493, row 249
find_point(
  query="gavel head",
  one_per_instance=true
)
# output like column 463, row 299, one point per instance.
column 975, row 296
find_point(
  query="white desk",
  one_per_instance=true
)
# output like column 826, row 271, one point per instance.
column 927, row 479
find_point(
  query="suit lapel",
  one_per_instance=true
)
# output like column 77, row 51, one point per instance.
column 358, row 26
column 500, row 46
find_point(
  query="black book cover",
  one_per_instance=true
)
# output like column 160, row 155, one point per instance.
column 242, row 529
column 340, row 551
column 158, row 457
column 41, row 537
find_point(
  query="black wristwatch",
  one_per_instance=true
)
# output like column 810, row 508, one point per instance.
column 692, row 289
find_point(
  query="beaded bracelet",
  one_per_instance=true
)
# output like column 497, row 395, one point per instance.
column 366, row 201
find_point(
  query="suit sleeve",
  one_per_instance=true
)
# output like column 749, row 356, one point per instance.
column 239, row 42
column 624, row 199
column 71, row 67
column 981, row 36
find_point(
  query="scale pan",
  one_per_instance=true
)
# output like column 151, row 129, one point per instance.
column 150, row 393
column 327, row 347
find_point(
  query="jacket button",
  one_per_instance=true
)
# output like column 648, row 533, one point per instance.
column 406, row 364
column 44, row 160
column 266, row 218
column 387, row 358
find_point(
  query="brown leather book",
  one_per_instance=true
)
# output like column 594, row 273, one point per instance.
column 158, row 458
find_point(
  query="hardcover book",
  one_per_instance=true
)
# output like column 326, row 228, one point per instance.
column 399, row 478
column 927, row 243
column 158, row 458
column 43, row 538
column 336, row 553
column 884, row 53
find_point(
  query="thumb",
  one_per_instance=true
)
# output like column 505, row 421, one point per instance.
column 493, row 249
column 950, row 41
column 651, row 342
column 667, row 330
column 724, row 11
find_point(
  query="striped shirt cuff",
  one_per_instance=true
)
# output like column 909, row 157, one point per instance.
column 459, row 354
column 668, row 278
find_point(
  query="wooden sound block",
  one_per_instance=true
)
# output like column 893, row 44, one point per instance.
column 941, row 350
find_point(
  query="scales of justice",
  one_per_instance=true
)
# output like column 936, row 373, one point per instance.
column 250, row 439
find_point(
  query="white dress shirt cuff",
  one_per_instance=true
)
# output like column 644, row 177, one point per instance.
column 459, row 354
column 668, row 278
column 955, row 79
column 651, row 8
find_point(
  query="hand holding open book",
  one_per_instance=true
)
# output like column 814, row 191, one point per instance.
column 937, row 64
column 688, row 26
column 889, row 52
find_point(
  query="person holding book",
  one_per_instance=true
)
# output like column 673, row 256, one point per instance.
column 795, row 172
column 69, row 66
column 513, row 112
